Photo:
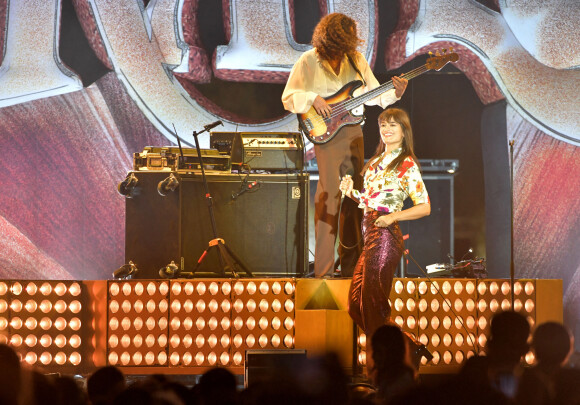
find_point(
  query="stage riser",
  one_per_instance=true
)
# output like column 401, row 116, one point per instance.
column 188, row 326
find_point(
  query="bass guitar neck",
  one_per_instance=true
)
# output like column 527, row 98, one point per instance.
column 320, row 130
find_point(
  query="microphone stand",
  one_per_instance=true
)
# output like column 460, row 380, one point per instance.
column 228, row 259
column 512, row 265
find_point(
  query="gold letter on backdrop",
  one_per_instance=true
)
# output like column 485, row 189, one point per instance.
column 261, row 36
column 31, row 68
column 146, row 45
column 139, row 63
column 545, row 96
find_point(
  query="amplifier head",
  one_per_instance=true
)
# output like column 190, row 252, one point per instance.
column 273, row 140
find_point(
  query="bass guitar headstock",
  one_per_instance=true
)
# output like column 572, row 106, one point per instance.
column 440, row 59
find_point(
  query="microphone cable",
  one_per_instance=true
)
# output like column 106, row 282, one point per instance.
column 360, row 240
column 446, row 301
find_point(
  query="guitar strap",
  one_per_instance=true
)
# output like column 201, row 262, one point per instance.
column 356, row 69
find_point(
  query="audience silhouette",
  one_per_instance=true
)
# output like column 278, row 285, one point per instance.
column 552, row 346
column 104, row 385
column 389, row 365
column 10, row 376
column 501, row 368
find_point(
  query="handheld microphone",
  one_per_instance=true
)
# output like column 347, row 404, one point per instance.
column 212, row 125
column 349, row 172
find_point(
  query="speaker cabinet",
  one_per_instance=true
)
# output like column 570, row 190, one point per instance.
column 431, row 238
column 261, row 365
column 152, row 225
column 264, row 225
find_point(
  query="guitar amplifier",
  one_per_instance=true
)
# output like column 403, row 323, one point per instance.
column 271, row 151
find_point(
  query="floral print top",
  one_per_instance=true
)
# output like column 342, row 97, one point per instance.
column 385, row 191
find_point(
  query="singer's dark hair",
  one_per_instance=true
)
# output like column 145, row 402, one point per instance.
column 402, row 118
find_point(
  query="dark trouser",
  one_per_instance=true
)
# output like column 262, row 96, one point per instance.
column 373, row 276
column 344, row 153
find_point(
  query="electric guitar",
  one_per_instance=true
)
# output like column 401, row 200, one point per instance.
column 320, row 130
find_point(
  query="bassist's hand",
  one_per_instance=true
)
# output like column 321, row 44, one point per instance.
column 321, row 107
column 400, row 84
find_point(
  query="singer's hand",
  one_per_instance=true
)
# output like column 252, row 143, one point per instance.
column 346, row 185
column 385, row 220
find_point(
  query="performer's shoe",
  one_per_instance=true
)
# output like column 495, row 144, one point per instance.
column 422, row 351
column 419, row 350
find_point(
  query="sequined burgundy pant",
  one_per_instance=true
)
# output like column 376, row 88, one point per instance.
column 373, row 275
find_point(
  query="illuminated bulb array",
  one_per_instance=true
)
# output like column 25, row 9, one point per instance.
column 200, row 326
column 45, row 321
column 403, row 300
column 263, row 315
column 182, row 323
column 448, row 319
column 4, row 312
column 137, row 323
column 441, row 313
column 198, row 323
column 361, row 342
column 495, row 296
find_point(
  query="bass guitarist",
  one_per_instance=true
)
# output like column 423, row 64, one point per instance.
column 318, row 74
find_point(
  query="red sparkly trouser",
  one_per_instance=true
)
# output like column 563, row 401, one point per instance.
column 373, row 275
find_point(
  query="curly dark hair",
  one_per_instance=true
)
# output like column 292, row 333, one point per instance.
column 335, row 35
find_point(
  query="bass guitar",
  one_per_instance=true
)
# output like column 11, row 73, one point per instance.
column 320, row 130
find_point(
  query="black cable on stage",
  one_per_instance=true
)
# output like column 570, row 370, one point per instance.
column 338, row 230
column 445, row 300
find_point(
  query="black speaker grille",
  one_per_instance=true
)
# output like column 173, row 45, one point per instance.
column 264, row 226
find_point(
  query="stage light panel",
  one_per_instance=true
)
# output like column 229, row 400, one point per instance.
column 404, row 310
column 447, row 319
column 48, row 322
column 45, row 322
column 137, row 323
column 361, row 344
column 200, row 328
column 263, row 315
column 495, row 296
